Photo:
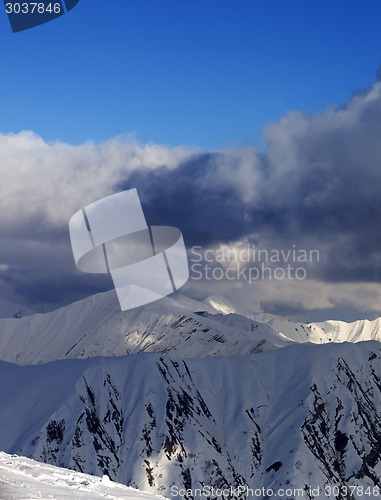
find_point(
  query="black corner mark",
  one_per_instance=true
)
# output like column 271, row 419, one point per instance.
column 26, row 14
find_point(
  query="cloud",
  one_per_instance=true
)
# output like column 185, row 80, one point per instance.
column 47, row 183
column 316, row 185
column 42, row 186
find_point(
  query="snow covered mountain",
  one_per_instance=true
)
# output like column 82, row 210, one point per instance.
column 328, row 331
column 318, row 332
column 180, row 326
column 97, row 327
column 25, row 479
column 304, row 416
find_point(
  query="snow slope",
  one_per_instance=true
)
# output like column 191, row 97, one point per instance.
column 25, row 479
column 302, row 415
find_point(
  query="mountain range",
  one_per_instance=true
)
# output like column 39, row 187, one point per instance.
column 186, row 395
column 180, row 326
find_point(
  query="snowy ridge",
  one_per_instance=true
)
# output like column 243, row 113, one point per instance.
column 315, row 332
column 180, row 326
column 328, row 331
column 303, row 415
column 25, row 479
column 96, row 327
column 11, row 310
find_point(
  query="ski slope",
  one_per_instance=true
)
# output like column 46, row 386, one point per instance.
column 25, row 479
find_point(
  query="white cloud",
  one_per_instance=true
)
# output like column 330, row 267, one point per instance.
column 52, row 181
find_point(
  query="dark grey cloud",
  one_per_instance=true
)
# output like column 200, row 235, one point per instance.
column 193, row 197
column 317, row 185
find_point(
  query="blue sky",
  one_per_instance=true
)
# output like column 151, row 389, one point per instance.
column 202, row 73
